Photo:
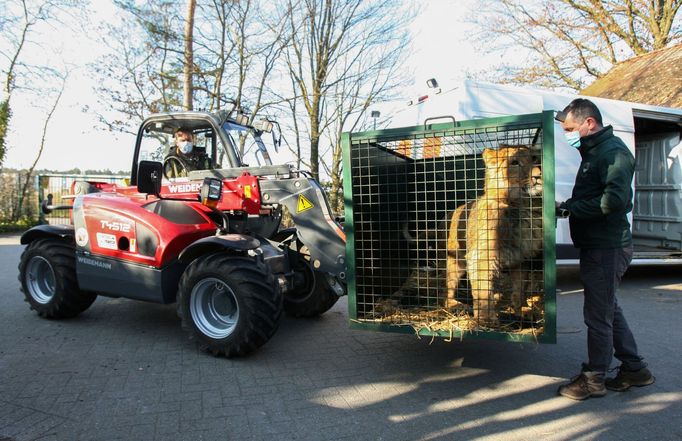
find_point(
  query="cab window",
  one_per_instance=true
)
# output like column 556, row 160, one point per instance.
column 158, row 144
column 155, row 145
column 250, row 150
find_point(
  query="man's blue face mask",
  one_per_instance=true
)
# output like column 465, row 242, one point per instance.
column 573, row 138
column 186, row 147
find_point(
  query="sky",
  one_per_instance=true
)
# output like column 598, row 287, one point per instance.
column 441, row 50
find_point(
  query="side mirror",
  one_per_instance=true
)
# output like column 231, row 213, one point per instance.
column 149, row 175
column 46, row 205
column 276, row 135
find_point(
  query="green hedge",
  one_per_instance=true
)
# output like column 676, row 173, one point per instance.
column 19, row 226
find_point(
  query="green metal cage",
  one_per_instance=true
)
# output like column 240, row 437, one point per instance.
column 451, row 229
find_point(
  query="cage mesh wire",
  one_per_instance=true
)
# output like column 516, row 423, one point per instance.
column 410, row 253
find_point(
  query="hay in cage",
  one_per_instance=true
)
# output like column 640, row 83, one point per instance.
column 427, row 285
column 457, row 322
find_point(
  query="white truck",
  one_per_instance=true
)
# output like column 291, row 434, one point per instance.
column 652, row 133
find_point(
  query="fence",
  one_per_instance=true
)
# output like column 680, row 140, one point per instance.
column 60, row 185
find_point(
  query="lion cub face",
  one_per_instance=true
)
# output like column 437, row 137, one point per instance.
column 535, row 184
column 509, row 172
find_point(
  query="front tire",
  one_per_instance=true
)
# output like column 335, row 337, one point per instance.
column 47, row 272
column 230, row 304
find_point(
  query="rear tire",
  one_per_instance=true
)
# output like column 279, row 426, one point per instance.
column 47, row 272
column 315, row 296
column 229, row 304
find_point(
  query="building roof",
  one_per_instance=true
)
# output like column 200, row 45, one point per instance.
column 654, row 78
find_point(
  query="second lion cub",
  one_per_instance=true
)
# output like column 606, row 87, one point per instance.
column 496, row 232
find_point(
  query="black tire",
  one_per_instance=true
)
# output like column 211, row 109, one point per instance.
column 314, row 296
column 47, row 272
column 230, row 305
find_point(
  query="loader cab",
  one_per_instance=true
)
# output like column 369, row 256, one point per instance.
column 219, row 143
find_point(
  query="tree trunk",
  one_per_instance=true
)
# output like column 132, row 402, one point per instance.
column 5, row 114
column 189, row 55
column 5, row 110
column 315, row 148
column 335, row 198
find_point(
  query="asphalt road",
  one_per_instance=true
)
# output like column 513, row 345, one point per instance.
column 124, row 370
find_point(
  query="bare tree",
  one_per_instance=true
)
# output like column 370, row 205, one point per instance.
column 573, row 42
column 141, row 73
column 19, row 19
column 258, row 44
column 343, row 56
column 232, row 54
column 29, row 173
column 376, row 77
column 215, row 51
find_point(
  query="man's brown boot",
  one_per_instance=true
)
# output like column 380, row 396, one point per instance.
column 587, row 384
column 627, row 378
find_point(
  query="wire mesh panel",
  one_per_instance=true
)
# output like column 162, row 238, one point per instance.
column 451, row 228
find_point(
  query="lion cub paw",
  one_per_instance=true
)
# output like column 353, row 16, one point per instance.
column 454, row 304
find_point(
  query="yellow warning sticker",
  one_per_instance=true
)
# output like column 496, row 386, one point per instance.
column 303, row 204
column 247, row 191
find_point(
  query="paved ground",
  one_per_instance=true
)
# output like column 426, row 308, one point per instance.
column 125, row 371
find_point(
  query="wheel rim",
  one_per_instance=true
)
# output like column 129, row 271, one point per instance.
column 40, row 279
column 214, row 308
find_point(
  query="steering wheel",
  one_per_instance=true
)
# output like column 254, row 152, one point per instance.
column 174, row 167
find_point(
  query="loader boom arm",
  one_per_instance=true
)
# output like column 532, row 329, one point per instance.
column 314, row 221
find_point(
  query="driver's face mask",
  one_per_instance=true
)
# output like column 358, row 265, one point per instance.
column 185, row 147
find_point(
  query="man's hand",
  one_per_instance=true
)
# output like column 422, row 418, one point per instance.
column 561, row 210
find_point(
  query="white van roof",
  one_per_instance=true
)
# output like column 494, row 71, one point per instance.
column 473, row 100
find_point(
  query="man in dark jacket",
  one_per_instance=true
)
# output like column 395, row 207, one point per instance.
column 597, row 210
column 184, row 157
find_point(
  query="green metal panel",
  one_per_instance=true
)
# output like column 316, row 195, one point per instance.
column 348, row 225
column 405, row 183
column 549, row 227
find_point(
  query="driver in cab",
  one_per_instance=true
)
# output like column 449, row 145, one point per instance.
column 182, row 158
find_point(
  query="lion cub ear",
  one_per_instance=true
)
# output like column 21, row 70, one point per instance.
column 489, row 155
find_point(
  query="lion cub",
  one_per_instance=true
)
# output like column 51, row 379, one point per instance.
column 497, row 232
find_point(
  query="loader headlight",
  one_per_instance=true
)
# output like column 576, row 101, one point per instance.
column 263, row 125
column 241, row 119
column 211, row 191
